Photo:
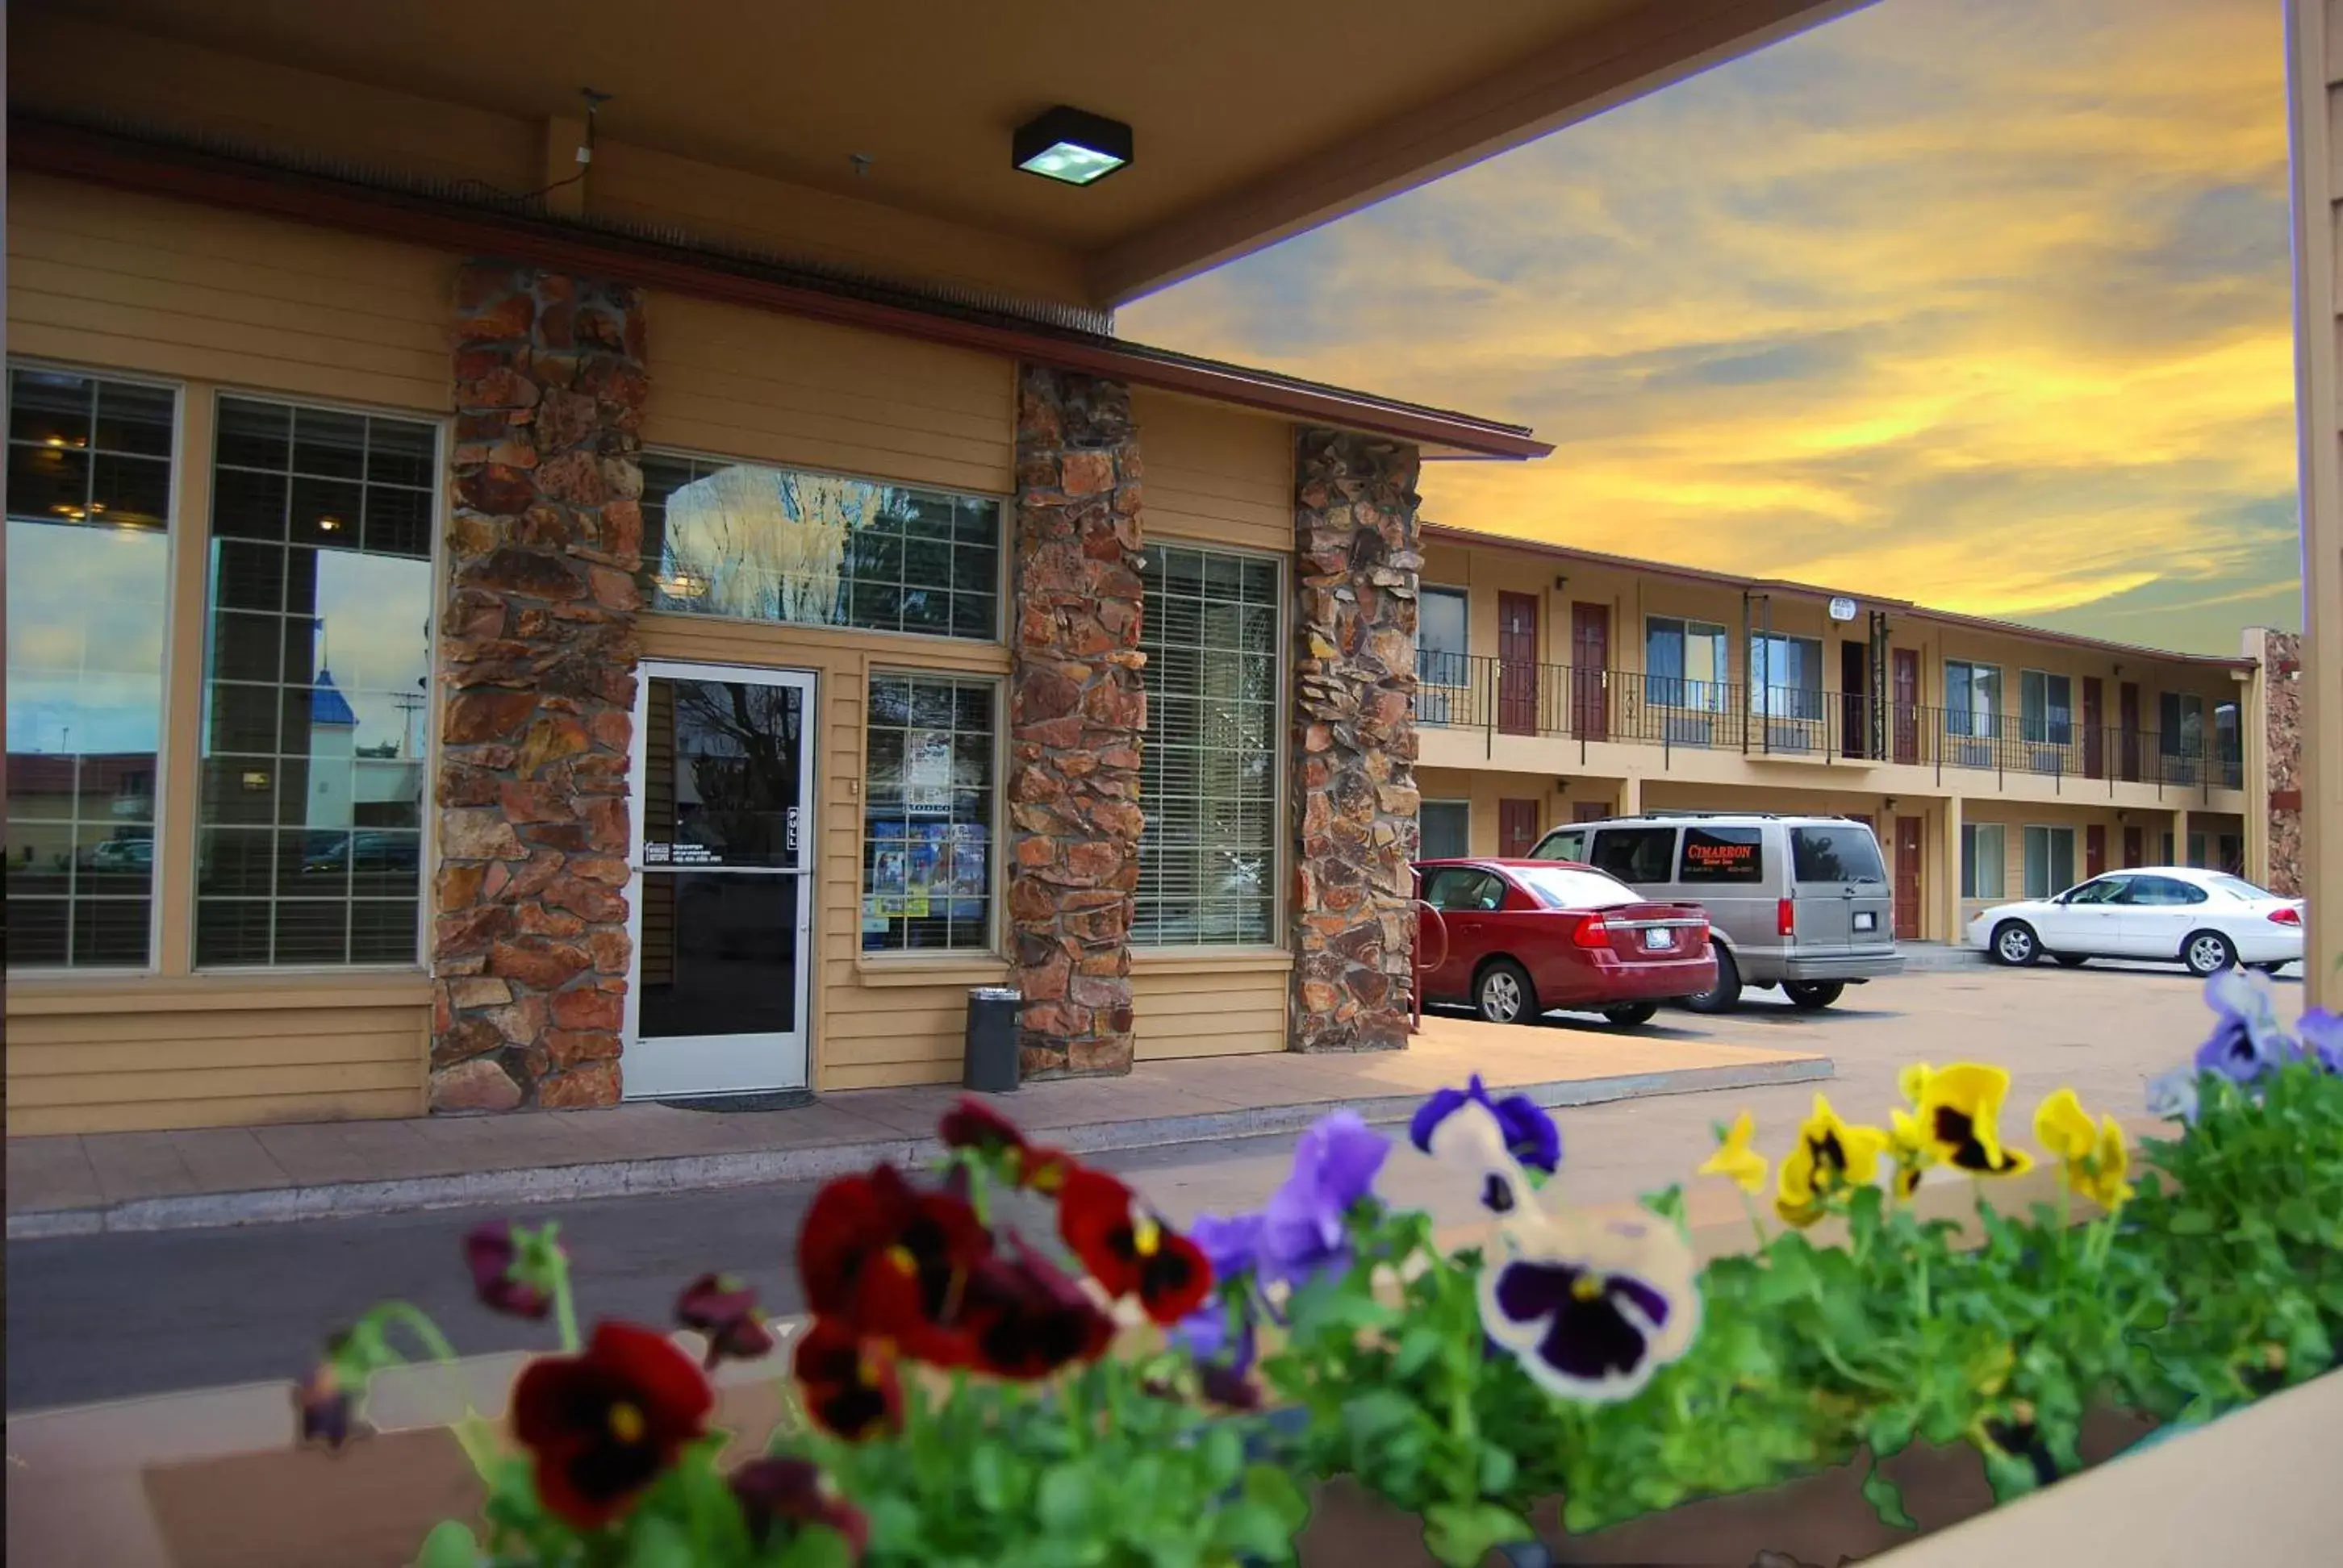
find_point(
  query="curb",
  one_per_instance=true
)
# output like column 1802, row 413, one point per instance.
column 758, row 1168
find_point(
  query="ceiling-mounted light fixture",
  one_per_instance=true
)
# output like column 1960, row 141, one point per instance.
column 1072, row 146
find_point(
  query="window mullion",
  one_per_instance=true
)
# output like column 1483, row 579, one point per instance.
column 183, row 675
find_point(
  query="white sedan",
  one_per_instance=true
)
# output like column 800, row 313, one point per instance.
column 2209, row 920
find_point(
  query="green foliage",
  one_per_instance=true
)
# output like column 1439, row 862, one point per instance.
column 1094, row 1470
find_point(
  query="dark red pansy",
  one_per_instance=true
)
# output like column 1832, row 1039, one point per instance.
column 1128, row 1251
column 1030, row 1317
column 848, row 1384
column 491, row 1253
column 723, row 1310
column 323, row 1408
column 1044, row 1171
column 794, row 1491
column 972, row 1124
column 893, row 1260
column 602, row 1425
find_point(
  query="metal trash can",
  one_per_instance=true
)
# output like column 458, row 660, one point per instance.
column 992, row 1063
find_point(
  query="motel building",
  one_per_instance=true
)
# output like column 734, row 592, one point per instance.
column 553, row 561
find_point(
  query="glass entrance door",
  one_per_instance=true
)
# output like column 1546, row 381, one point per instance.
column 723, row 906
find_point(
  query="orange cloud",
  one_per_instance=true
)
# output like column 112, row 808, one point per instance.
column 1985, row 304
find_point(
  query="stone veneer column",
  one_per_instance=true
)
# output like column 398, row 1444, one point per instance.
column 1076, row 714
column 1354, row 741
column 2281, row 659
column 538, row 653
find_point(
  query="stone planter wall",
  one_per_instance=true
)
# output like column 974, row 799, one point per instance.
column 1355, row 802
column 1077, row 719
column 538, row 653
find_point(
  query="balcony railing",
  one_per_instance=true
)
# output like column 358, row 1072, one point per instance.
column 1501, row 696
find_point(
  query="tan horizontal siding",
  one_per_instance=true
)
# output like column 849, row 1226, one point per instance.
column 1233, row 1014
column 136, row 283
column 734, row 382
column 1215, row 475
column 244, row 1110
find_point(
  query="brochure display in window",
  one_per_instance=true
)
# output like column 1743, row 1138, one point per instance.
column 928, row 817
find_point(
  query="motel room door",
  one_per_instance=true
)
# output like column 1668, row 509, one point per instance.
column 1907, row 878
column 1907, row 705
column 1517, row 828
column 723, row 906
column 1590, row 663
column 1517, row 663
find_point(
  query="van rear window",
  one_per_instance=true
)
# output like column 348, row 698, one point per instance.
column 1840, row 853
column 1634, row 854
column 1727, row 855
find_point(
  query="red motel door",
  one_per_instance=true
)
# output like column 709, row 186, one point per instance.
column 1907, row 878
column 1589, row 811
column 2095, row 732
column 1906, row 681
column 2135, row 847
column 2095, row 849
column 1517, row 663
column 1517, row 828
column 1590, row 657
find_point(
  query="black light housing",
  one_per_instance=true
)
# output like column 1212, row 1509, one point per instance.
column 1072, row 146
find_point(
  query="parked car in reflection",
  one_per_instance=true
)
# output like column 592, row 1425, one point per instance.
column 363, row 851
column 2209, row 920
column 1519, row 939
column 123, row 855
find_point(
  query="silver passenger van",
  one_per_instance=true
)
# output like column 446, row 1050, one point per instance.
column 1799, row 903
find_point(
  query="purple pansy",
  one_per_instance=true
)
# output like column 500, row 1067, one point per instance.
column 2321, row 1032
column 1232, row 1244
column 1302, row 1229
column 2247, row 1041
column 1530, row 1136
column 1591, row 1333
column 2172, row 1095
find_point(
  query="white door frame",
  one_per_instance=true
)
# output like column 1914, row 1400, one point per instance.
column 680, row 1067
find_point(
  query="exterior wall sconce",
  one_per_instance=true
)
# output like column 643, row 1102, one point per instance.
column 1072, row 146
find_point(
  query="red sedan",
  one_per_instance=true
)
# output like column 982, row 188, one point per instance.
column 1517, row 939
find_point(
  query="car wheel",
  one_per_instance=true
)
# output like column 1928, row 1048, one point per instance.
column 2208, row 953
column 2014, row 943
column 2071, row 961
column 1633, row 1015
column 1813, row 996
column 1725, row 994
column 1503, row 995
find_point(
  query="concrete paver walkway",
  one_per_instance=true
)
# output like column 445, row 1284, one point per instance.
column 222, row 1176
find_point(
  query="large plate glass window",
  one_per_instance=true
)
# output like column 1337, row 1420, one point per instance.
column 756, row 543
column 1786, row 690
column 89, row 566
column 927, row 841
column 316, row 697
column 1444, row 657
column 1684, row 664
column 1208, row 856
column 2046, row 717
column 1972, row 712
column 1984, row 861
column 1447, row 828
column 2049, row 861
column 2181, row 735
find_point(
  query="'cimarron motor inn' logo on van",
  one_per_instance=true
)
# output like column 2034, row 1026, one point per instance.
column 1720, row 857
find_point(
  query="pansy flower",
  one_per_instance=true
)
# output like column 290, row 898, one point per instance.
column 2064, row 1129
column 1735, row 1160
column 2247, row 1041
column 603, row 1425
column 2172, row 1095
column 1958, row 1110
column 723, row 1310
column 2091, row 1155
column 1530, row 1134
column 1039, row 1168
column 492, row 1251
column 1231, row 1245
column 1128, row 1250
column 2321, row 1034
column 972, row 1124
column 2110, row 1161
column 1030, row 1317
column 1595, row 1312
column 794, row 1491
column 1831, row 1156
column 1305, row 1226
column 848, row 1384
column 893, row 1260
column 1470, row 1140
column 1909, row 1145
column 324, row 1409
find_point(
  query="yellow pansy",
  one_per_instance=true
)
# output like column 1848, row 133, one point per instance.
column 1907, row 1142
column 1959, row 1113
column 2064, row 1127
column 1914, row 1080
column 1735, row 1160
column 2111, row 1160
column 1831, row 1156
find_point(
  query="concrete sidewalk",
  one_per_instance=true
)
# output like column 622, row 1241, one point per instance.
column 240, row 1176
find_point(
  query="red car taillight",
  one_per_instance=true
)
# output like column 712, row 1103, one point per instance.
column 1592, row 932
column 2286, row 917
column 1785, row 919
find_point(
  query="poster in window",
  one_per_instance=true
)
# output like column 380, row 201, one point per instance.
column 924, row 871
column 886, row 881
column 971, row 873
column 927, row 772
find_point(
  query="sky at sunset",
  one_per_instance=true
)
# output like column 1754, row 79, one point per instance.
column 1982, row 303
